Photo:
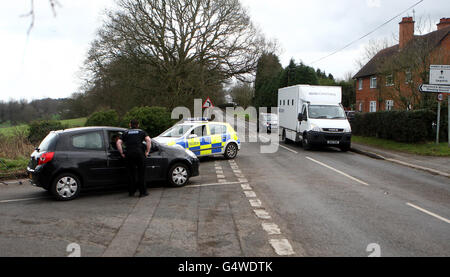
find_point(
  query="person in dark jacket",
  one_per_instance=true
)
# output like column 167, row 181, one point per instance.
column 135, row 156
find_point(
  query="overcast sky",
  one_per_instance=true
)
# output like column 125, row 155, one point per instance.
column 47, row 62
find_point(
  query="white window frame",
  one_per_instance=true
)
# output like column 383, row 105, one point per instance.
column 389, row 105
column 360, row 106
column 373, row 82
column 373, row 106
column 360, row 84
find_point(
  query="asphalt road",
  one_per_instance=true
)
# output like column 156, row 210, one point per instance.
column 337, row 204
column 289, row 203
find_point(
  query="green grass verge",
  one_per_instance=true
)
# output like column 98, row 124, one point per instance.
column 71, row 123
column 10, row 169
column 425, row 149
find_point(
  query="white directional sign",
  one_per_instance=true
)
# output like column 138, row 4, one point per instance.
column 434, row 88
column 440, row 74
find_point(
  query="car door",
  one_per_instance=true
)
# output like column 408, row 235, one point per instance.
column 197, row 139
column 218, row 137
column 89, row 150
column 117, row 170
column 156, row 163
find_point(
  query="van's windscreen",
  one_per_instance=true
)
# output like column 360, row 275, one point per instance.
column 326, row 112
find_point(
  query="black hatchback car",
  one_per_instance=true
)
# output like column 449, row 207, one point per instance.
column 72, row 160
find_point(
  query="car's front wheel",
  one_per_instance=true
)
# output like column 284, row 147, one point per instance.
column 231, row 151
column 65, row 187
column 178, row 175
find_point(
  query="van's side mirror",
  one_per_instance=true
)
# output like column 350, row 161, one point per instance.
column 300, row 117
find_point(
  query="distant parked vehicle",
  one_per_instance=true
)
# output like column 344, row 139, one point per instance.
column 72, row 160
column 268, row 122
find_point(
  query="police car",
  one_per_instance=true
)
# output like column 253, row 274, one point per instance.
column 203, row 138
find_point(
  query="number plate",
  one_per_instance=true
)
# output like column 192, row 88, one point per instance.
column 333, row 142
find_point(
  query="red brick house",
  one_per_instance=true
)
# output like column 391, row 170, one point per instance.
column 391, row 78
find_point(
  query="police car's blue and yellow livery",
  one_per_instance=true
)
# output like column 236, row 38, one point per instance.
column 203, row 138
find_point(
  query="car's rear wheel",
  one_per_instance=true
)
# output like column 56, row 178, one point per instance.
column 231, row 151
column 178, row 175
column 66, row 186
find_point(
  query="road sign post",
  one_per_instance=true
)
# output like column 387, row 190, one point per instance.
column 438, row 122
column 439, row 83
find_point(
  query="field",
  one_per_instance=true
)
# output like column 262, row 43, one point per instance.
column 15, row 148
column 12, row 130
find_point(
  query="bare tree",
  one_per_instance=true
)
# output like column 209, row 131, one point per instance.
column 190, row 46
column 32, row 13
column 243, row 94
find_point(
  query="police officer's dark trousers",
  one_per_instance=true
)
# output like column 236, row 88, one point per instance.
column 136, row 171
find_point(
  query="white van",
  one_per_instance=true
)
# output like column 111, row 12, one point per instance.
column 314, row 116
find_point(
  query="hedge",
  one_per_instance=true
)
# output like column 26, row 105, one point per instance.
column 401, row 126
column 38, row 130
column 153, row 120
column 103, row 118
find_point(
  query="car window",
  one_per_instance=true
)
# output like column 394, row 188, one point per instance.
column 113, row 136
column 217, row 129
column 91, row 141
column 200, row 131
column 304, row 113
column 47, row 142
column 176, row 131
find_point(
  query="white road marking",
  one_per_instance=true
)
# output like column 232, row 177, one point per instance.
column 21, row 200
column 288, row 149
column 271, row 228
column 282, row 247
column 250, row 194
column 220, row 176
column 428, row 212
column 338, row 171
column 255, row 203
column 223, row 181
column 246, row 187
column 262, row 214
column 214, row 184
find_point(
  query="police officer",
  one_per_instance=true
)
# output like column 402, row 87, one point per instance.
column 135, row 156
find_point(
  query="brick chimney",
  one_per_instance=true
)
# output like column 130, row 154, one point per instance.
column 406, row 32
column 445, row 22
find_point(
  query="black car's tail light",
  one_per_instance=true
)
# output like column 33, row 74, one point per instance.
column 46, row 157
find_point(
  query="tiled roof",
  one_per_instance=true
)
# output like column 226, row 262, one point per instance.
column 433, row 39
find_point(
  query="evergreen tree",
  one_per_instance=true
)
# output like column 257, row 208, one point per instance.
column 267, row 81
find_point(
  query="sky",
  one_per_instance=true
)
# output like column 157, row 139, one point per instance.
column 47, row 61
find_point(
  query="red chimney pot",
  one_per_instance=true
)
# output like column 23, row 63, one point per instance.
column 444, row 23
